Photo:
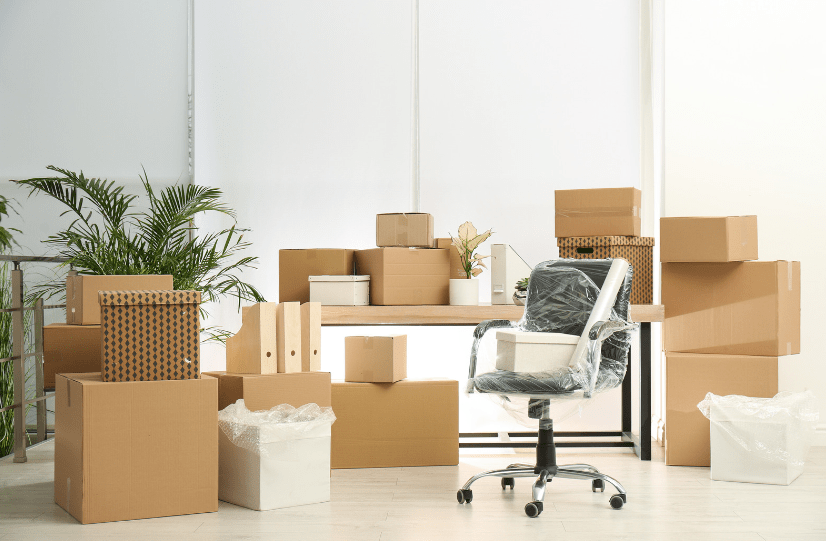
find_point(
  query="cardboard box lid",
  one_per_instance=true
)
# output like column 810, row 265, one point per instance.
column 352, row 278
column 564, row 242
column 525, row 337
column 148, row 298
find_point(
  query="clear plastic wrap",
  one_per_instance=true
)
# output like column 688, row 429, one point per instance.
column 252, row 430
column 561, row 297
column 779, row 429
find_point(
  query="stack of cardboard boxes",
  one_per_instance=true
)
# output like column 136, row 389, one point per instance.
column 727, row 320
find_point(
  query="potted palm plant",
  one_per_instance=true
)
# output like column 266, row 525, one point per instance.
column 465, row 291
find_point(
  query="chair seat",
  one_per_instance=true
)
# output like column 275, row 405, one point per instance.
column 562, row 381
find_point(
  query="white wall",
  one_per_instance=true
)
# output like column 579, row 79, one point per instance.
column 745, row 119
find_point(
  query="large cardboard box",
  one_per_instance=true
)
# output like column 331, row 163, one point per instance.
column 386, row 425
column 252, row 350
column 604, row 212
column 638, row 251
column 150, row 335
column 404, row 229
column 296, row 266
column 265, row 391
column 406, row 276
column 748, row 308
column 688, row 378
column 708, row 239
column 375, row 359
column 69, row 349
column 135, row 450
column 457, row 272
column 82, row 307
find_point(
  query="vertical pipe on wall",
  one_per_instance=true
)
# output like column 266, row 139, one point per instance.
column 414, row 120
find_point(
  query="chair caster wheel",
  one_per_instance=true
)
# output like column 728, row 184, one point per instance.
column 508, row 482
column 464, row 496
column 617, row 501
column 597, row 485
column 533, row 509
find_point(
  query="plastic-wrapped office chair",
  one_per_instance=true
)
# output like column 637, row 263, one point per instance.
column 586, row 298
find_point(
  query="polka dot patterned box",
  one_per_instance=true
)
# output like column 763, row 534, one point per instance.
column 150, row 335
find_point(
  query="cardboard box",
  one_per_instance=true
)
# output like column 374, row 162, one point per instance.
column 412, row 229
column 134, row 450
column 406, row 276
column 82, row 307
column 288, row 336
column 638, row 251
column 708, row 239
column 296, row 266
column 748, row 308
column 252, row 350
column 604, row 212
column 457, row 272
column 69, row 349
column 265, row 391
column 387, row 425
column 688, row 378
column 310, row 337
column 150, row 335
column 375, row 359
column 340, row 290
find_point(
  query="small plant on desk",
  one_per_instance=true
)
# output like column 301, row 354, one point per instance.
column 466, row 243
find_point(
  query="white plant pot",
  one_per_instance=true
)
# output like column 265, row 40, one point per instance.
column 464, row 292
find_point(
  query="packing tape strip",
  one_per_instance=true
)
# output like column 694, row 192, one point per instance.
column 744, row 237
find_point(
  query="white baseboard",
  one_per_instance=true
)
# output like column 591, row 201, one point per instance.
column 820, row 435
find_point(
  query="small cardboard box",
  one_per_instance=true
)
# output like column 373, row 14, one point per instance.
column 747, row 308
column 638, row 251
column 406, row 276
column 604, row 212
column 412, row 229
column 296, row 266
column 388, row 425
column 252, row 350
column 69, row 349
column 82, row 307
column 150, row 335
column 708, row 239
column 375, row 359
column 265, row 391
column 133, row 450
column 340, row 290
column 688, row 378
column 456, row 270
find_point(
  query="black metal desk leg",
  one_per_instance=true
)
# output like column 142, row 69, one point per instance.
column 626, row 398
column 645, row 391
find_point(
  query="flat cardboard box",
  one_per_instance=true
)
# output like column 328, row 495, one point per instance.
column 134, row 450
column 603, row 212
column 406, row 276
column 296, row 266
column 457, row 272
column 82, row 307
column 265, row 391
column 252, row 350
column 638, row 251
column 288, row 336
column 150, row 335
column 69, row 349
column 375, row 359
column 746, row 308
column 688, row 378
column 311, row 337
column 412, row 229
column 388, row 425
column 708, row 239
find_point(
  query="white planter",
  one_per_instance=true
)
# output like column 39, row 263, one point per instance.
column 464, row 292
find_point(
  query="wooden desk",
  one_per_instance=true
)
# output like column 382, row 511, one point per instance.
column 645, row 314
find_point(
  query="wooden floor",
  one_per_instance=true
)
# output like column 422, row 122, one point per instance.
column 664, row 503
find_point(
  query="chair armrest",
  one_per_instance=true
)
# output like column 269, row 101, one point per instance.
column 599, row 332
column 478, row 333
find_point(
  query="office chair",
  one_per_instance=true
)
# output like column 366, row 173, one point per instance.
column 565, row 296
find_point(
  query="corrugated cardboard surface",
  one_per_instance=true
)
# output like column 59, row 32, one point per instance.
column 150, row 335
column 688, row 378
column 598, row 212
column 456, row 270
column 375, row 359
column 296, row 266
column 638, row 251
column 135, row 450
column 265, row 391
column 748, row 308
column 404, row 229
column 386, row 425
column 252, row 350
column 68, row 349
column 708, row 239
column 406, row 276
column 82, row 307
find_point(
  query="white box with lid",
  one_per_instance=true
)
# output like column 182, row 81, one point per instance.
column 340, row 290
column 522, row 351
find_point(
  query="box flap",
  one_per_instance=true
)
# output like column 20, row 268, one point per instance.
column 148, row 298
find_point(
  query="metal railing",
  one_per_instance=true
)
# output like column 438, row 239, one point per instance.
column 19, row 355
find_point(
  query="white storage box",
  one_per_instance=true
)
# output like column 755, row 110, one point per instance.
column 340, row 290
column 274, row 464
column 521, row 351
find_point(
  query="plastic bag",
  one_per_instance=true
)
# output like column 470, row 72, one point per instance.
column 252, row 430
